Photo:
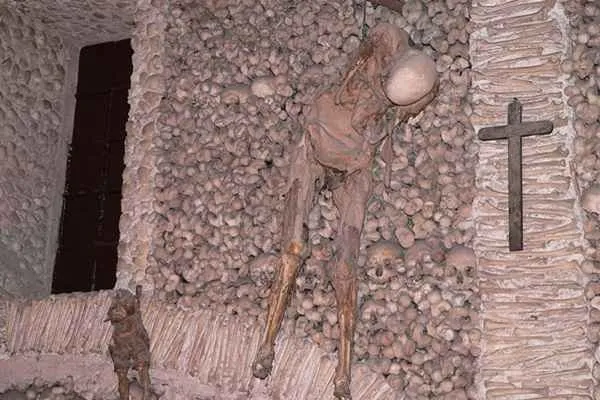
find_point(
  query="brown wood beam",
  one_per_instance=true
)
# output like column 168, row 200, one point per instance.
column 395, row 5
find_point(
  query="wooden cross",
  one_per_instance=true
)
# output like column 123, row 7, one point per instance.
column 514, row 131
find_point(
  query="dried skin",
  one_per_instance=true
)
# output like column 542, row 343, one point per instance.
column 130, row 345
column 343, row 129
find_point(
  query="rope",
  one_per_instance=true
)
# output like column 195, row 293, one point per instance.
column 364, row 26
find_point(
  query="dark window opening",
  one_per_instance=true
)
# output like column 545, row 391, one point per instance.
column 86, row 258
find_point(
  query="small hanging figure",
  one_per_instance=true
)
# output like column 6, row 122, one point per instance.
column 130, row 345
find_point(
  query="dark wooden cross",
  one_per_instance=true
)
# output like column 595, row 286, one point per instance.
column 514, row 131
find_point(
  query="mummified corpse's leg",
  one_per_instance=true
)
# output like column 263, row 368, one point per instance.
column 306, row 176
column 351, row 200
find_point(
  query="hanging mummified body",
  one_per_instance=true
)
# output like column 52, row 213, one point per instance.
column 387, row 83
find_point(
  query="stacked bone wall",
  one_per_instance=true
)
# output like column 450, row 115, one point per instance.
column 59, row 344
column 583, row 97
column 32, row 151
column 238, row 77
column 536, row 306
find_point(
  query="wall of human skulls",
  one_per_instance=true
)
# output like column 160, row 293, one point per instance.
column 583, row 95
column 238, row 77
column 32, row 152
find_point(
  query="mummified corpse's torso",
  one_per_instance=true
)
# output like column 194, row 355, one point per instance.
column 345, row 132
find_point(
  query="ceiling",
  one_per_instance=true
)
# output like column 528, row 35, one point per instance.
column 80, row 22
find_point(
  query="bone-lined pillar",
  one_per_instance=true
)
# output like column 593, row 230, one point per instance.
column 514, row 132
column 534, row 311
column 147, row 86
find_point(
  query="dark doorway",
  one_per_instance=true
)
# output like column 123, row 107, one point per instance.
column 86, row 258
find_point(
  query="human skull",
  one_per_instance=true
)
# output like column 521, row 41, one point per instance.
column 412, row 76
column 382, row 259
column 591, row 199
column 262, row 269
column 461, row 264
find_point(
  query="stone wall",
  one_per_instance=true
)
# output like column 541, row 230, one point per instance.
column 32, row 152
